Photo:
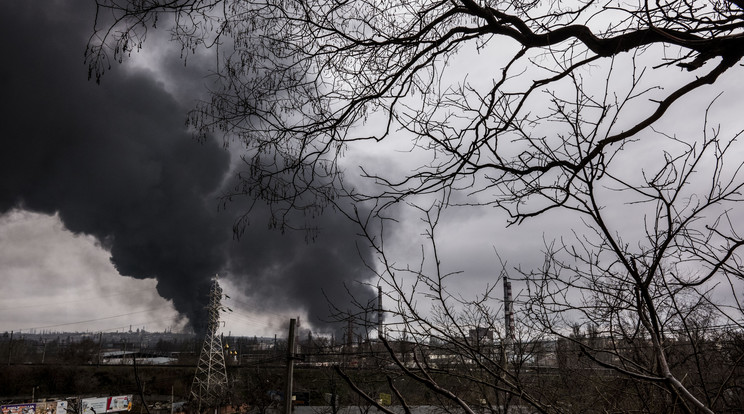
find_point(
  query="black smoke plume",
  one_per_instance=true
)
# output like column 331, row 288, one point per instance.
column 115, row 161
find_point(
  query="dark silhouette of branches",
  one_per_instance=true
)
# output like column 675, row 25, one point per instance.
column 537, row 109
column 298, row 79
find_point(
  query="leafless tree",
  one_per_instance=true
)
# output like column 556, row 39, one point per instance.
column 534, row 108
column 660, row 291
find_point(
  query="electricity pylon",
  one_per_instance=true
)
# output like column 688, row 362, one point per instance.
column 209, row 389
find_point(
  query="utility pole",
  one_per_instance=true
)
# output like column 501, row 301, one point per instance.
column 290, row 366
column 10, row 346
column 100, row 339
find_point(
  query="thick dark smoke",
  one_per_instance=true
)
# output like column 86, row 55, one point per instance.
column 116, row 161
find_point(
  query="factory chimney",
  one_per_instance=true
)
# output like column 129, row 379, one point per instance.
column 380, row 332
column 508, row 310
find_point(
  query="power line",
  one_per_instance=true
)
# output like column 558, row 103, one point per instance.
column 79, row 299
column 89, row 320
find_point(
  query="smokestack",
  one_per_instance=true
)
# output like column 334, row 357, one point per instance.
column 508, row 310
column 379, row 312
column 349, row 334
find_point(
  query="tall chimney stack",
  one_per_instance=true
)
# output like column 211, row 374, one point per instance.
column 379, row 312
column 508, row 310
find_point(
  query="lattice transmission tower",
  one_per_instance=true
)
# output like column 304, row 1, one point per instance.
column 209, row 389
